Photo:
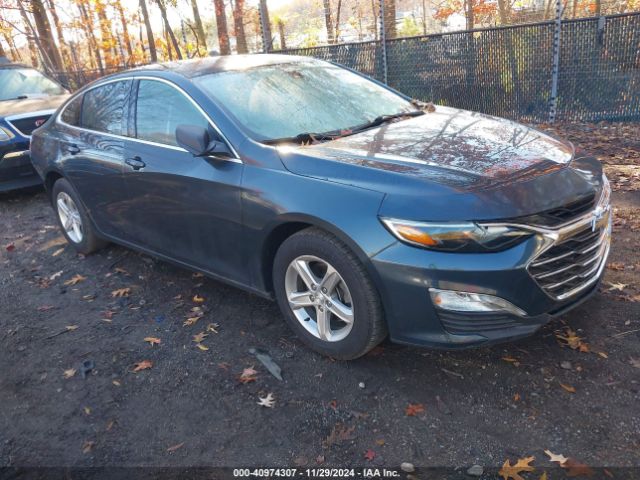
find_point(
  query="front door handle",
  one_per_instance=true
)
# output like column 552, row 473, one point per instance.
column 136, row 163
column 73, row 149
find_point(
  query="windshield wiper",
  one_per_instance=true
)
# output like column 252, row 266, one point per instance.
column 334, row 134
column 384, row 119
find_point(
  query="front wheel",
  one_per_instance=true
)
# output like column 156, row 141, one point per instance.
column 326, row 295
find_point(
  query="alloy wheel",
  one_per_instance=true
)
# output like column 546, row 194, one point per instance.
column 70, row 217
column 319, row 298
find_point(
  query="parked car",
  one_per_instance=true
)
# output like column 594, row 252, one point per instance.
column 27, row 100
column 302, row 181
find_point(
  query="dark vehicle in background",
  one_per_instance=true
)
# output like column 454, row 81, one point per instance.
column 361, row 214
column 27, row 100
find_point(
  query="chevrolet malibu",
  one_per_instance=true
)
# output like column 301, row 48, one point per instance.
column 360, row 213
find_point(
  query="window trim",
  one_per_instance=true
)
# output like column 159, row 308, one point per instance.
column 133, row 78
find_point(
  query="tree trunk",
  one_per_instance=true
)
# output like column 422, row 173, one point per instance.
column 328, row 22
column 283, row 40
column 107, row 43
column 87, row 21
column 390, row 19
column 45, row 35
column 3, row 53
column 172, row 37
column 147, row 24
column 202, row 37
column 336, row 35
column 221, row 24
column 503, row 11
column 266, row 25
column 468, row 7
column 598, row 11
column 238, row 27
column 32, row 39
column 64, row 48
column 125, row 29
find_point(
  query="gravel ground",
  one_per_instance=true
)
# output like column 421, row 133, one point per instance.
column 59, row 315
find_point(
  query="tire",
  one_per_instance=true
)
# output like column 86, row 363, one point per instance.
column 353, row 296
column 67, row 205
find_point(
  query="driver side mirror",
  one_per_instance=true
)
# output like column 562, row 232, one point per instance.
column 197, row 141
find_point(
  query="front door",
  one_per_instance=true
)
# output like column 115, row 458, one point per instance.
column 185, row 207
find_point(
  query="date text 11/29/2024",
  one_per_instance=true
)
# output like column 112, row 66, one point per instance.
column 315, row 472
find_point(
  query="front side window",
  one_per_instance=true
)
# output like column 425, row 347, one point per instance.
column 159, row 111
column 71, row 113
column 104, row 108
column 16, row 83
column 279, row 101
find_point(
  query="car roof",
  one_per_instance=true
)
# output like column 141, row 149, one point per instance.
column 208, row 65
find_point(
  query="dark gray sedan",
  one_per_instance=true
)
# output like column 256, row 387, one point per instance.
column 362, row 213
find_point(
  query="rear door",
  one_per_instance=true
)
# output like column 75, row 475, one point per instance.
column 92, row 151
column 186, row 207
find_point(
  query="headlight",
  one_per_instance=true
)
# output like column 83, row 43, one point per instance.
column 457, row 237
column 5, row 135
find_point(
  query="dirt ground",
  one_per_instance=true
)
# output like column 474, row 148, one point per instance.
column 60, row 314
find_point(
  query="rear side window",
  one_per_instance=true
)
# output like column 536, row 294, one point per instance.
column 159, row 111
column 104, row 108
column 71, row 113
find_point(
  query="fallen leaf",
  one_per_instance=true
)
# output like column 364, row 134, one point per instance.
column 71, row 328
column 45, row 308
column 200, row 337
column 516, row 397
column 248, row 375
column 577, row 469
column 57, row 252
column 603, row 354
column 197, row 275
column 152, row 340
column 543, row 476
column 268, row 401
column 110, row 425
column 634, row 362
column 75, row 280
column 556, row 458
column 116, row 383
column 512, row 360
column 56, row 275
column 121, row 292
column 380, row 442
column 190, row 321
column 568, row 388
column 121, row 271
column 369, row 455
column 213, row 327
column 87, row 410
column 413, row 409
column 198, row 299
column 202, row 347
column 10, row 248
column 619, row 266
column 87, row 446
column 617, row 286
column 143, row 365
column 173, row 448
column 339, row 433
column 572, row 340
column 69, row 373
column 513, row 472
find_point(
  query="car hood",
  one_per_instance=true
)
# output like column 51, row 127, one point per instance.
column 27, row 105
column 489, row 167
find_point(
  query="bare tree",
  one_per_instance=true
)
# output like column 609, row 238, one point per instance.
column 221, row 24
column 238, row 27
column 147, row 24
column 45, row 35
column 168, row 29
column 200, row 35
column 328, row 22
column 125, row 29
column 64, row 48
column 266, row 25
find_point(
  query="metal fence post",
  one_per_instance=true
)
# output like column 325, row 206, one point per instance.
column 383, row 38
column 263, row 19
column 555, row 69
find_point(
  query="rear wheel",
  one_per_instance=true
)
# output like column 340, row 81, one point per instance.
column 327, row 296
column 73, row 219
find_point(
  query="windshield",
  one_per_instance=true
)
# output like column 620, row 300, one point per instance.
column 282, row 101
column 19, row 82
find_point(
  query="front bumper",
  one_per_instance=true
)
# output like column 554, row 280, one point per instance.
column 407, row 273
column 16, row 170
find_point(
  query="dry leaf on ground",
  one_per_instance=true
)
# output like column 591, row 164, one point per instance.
column 413, row 409
column 75, row 280
column 512, row 472
column 121, row 292
column 269, row 401
column 152, row 340
column 143, row 365
column 556, row 458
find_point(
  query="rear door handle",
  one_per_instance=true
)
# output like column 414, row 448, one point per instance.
column 136, row 163
column 73, row 149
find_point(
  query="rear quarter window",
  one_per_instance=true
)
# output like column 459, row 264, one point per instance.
column 71, row 113
column 104, row 108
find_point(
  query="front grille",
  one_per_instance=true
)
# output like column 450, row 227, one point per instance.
column 27, row 125
column 558, row 216
column 573, row 264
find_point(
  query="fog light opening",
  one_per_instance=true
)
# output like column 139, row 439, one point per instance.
column 472, row 302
